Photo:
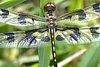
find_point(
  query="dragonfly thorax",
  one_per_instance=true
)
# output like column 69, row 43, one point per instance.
column 50, row 17
column 51, row 20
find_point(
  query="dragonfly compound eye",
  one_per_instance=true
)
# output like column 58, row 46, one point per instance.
column 49, row 7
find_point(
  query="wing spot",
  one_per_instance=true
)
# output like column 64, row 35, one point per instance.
column 75, row 35
column 10, row 37
column 96, row 7
column 80, row 13
column 5, row 13
column 45, row 39
column 59, row 38
column 30, row 39
column 22, row 20
column 93, row 31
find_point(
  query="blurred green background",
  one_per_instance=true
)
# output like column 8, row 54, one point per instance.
column 67, row 56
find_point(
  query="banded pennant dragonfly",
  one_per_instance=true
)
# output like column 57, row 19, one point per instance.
column 52, row 30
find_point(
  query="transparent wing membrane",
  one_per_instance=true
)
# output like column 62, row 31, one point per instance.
column 71, row 28
column 81, row 16
column 20, row 19
column 72, row 36
column 25, row 39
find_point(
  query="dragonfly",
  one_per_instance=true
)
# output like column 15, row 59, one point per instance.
column 70, row 28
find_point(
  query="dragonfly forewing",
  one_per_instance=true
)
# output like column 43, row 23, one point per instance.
column 82, row 16
column 20, row 19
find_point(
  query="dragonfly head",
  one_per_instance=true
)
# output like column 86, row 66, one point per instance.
column 49, row 7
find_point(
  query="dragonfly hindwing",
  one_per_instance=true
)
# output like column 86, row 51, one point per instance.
column 10, row 37
column 94, row 32
column 25, row 39
column 72, row 35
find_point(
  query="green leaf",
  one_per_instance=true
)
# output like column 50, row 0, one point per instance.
column 75, row 4
column 91, row 57
column 9, row 3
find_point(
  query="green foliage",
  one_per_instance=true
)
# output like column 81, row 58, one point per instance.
column 9, row 3
column 75, row 5
column 91, row 57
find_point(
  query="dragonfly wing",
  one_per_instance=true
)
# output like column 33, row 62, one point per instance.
column 81, row 16
column 20, row 19
column 25, row 39
column 72, row 35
